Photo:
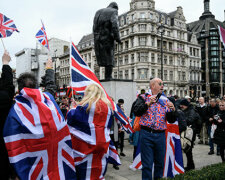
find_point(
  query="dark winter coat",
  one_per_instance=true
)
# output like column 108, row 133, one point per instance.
column 211, row 112
column 6, row 99
column 219, row 135
column 105, row 30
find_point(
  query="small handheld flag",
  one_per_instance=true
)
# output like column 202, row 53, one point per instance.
column 42, row 37
column 7, row 26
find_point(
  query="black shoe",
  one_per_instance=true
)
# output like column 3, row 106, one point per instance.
column 122, row 154
column 116, row 167
column 211, row 152
column 218, row 153
column 206, row 143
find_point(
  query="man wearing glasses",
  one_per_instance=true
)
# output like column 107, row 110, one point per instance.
column 152, row 134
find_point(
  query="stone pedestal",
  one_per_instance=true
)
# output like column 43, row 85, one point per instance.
column 121, row 89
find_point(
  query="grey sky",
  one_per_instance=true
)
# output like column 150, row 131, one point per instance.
column 65, row 19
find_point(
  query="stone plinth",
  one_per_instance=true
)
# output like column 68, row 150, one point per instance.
column 121, row 89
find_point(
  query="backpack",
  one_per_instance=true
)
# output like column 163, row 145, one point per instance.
column 186, row 139
column 140, row 107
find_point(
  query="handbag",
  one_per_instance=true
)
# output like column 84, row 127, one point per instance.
column 186, row 139
column 140, row 107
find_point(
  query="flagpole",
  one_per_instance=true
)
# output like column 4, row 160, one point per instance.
column 3, row 44
column 70, row 68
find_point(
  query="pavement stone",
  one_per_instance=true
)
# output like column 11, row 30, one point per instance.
column 200, row 155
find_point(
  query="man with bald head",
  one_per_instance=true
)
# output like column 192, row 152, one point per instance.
column 152, row 133
column 201, row 108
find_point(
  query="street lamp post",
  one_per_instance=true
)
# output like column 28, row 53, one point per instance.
column 161, row 30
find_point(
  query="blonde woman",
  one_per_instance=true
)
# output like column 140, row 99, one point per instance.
column 89, row 125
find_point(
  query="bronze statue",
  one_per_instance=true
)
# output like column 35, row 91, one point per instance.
column 106, row 31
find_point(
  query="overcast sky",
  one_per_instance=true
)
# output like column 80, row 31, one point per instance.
column 65, row 19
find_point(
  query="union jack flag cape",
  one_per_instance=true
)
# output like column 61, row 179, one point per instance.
column 82, row 76
column 7, row 26
column 91, row 140
column 38, row 139
column 42, row 36
column 173, row 164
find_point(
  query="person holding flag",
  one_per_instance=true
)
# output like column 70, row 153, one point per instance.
column 89, row 124
column 6, row 100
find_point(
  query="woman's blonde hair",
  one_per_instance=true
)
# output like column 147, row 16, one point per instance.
column 93, row 93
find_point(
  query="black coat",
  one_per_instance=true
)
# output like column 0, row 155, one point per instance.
column 202, row 111
column 211, row 112
column 6, row 99
column 105, row 30
column 219, row 135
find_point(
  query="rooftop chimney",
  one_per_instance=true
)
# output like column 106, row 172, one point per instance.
column 206, row 6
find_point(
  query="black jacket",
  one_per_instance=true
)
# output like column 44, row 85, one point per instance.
column 6, row 99
column 202, row 111
column 219, row 135
column 211, row 111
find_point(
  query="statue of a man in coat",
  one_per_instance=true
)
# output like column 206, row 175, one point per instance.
column 106, row 31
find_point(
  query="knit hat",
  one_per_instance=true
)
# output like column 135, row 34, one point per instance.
column 184, row 102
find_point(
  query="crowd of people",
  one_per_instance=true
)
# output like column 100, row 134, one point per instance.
column 94, row 110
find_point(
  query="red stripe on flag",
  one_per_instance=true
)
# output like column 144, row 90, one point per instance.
column 27, row 114
column 37, row 170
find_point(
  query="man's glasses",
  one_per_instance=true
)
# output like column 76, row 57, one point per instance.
column 161, row 83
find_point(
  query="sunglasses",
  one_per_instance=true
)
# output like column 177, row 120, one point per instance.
column 161, row 84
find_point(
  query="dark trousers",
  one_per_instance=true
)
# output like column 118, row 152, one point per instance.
column 190, row 162
column 153, row 148
column 121, row 140
column 134, row 152
column 115, row 143
column 222, row 148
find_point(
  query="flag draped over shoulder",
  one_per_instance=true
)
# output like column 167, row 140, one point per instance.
column 7, row 26
column 222, row 35
column 173, row 158
column 37, row 138
column 82, row 76
column 42, row 36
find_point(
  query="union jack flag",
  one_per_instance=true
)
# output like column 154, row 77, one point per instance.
column 7, row 26
column 82, row 76
column 42, row 36
column 173, row 158
column 90, row 139
column 38, row 139
column 113, row 157
column 222, row 35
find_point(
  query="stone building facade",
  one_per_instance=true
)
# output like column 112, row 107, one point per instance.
column 139, row 58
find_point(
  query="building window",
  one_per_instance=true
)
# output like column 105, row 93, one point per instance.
column 153, row 73
column 132, row 58
column 142, row 15
column 132, row 42
column 159, row 73
column 153, row 58
column 143, row 56
column 183, row 62
column 165, row 75
column 171, row 60
column 142, row 41
column 170, row 46
column 142, row 73
column 126, row 45
column 115, row 75
column 126, row 74
column 153, row 41
column 179, row 75
column 165, row 59
column 183, row 76
column 126, row 59
column 132, row 73
column 142, row 27
column 151, row 16
column 171, row 76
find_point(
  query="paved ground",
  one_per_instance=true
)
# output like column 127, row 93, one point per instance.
column 200, row 154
